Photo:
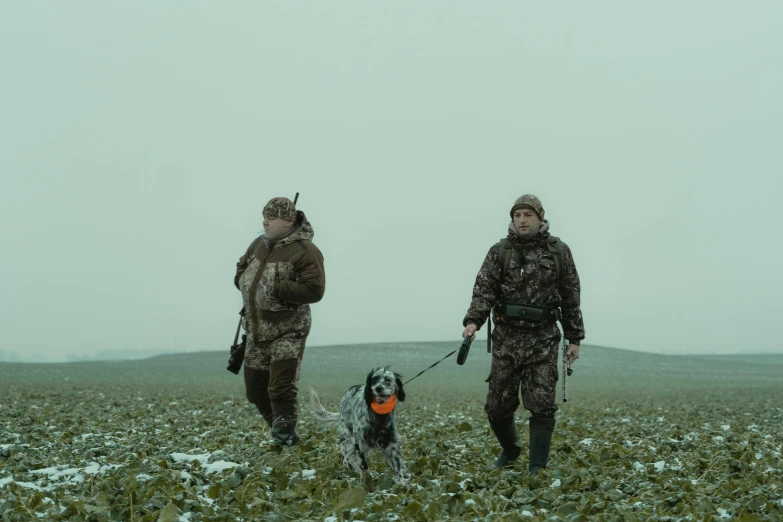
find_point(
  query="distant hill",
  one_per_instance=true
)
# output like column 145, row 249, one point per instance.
column 600, row 370
column 117, row 355
column 752, row 358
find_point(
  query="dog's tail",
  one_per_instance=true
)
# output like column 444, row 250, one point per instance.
column 319, row 412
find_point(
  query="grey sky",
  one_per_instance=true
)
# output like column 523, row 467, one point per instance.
column 139, row 141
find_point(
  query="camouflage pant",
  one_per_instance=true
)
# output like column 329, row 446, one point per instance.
column 271, row 375
column 275, row 336
column 261, row 355
column 523, row 361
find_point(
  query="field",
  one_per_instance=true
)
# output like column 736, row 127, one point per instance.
column 171, row 438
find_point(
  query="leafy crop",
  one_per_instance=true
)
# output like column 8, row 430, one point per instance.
column 158, row 441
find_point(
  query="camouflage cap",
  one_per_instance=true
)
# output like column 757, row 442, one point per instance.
column 282, row 208
column 531, row 202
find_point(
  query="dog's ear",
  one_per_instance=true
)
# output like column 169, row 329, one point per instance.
column 369, row 396
column 400, row 391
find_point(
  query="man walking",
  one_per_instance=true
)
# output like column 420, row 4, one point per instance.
column 280, row 275
column 530, row 281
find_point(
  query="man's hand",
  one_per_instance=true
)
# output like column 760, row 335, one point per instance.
column 573, row 351
column 470, row 331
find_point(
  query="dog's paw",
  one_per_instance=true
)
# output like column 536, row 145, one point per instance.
column 402, row 480
column 369, row 481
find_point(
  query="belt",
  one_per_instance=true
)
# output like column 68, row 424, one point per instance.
column 548, row 314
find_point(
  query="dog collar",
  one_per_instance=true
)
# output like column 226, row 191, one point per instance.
column 386, row 407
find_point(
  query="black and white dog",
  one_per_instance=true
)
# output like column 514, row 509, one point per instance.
column 367, row 421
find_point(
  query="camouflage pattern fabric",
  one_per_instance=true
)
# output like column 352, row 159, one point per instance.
column 282, row 208
column 528, row 201
column 261, row 355
column 531, row 279
column 278, row 277
column 523, row 362
column 525, row 353
column 277, row 328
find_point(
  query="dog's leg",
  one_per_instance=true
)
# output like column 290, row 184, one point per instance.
column 392, row 455
column 363, row 450
column 352, row 457
column 363, row 455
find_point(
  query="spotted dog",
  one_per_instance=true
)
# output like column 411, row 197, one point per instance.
column 367, row 421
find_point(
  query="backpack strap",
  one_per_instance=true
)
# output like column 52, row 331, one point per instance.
column 558, row 252
column 253, row 247
column 504, row 257
column 554, row 245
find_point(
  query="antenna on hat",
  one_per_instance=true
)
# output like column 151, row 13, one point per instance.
column 296, row 197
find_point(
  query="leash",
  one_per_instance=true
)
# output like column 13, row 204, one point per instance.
column 431, row 366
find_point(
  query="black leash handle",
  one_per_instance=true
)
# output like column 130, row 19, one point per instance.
column 464, row 350
column 489, row 331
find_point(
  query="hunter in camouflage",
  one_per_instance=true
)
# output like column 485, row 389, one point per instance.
column 280, row 275
column 535, row 285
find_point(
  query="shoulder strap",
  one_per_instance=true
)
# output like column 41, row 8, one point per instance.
column 558, row 252
column 253, row 247
column 504, row 257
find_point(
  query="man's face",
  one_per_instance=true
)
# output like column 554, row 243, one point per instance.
column 275, row 227
column 526, row 222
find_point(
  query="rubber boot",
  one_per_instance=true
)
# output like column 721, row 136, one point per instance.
column 284, row 431
column 506, row 432
column 541, row 429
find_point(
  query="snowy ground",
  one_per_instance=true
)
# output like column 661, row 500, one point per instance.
column 183, row 449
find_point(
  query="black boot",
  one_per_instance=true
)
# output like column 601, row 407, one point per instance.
column 284, row 431
column 541, row 429
column 506, row 433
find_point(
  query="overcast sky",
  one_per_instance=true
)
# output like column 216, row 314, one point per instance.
column 140, row 140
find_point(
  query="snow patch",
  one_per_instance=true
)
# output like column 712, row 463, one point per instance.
column 219, row 466
column 184, row 457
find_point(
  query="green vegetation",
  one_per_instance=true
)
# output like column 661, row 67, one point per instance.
column 171, row 438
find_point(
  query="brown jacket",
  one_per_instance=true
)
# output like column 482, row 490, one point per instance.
column 279, row 279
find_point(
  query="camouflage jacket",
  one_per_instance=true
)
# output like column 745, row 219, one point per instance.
column 530, row 279
column 279, row 280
